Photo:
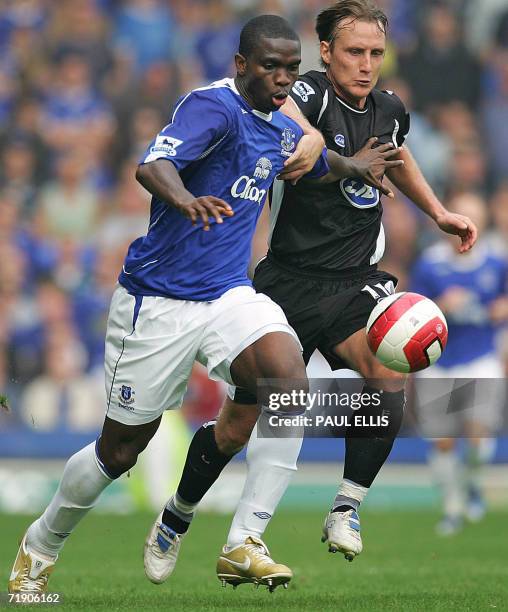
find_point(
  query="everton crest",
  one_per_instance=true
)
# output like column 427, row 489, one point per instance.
column 288, row 142
column 126, row 397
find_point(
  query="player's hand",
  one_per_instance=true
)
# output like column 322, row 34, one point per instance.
column 302, row 161
column 371, row 164
column 461, row 226
column 205, row 208
column 498, row 310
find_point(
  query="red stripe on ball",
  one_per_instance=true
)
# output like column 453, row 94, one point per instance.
column 416, row 347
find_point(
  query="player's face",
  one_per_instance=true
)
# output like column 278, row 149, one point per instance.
column 354, row 59
column 265, row 78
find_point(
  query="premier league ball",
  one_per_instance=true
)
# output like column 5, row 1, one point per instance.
column 407, row 332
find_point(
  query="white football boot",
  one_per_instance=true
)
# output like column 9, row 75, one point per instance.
column 161, row 551
column 342, row 532
column 30, row 573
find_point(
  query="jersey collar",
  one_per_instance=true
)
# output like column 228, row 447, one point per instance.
column 355, row 110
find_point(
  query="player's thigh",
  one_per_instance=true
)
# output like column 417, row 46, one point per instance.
column 151, row 344
column 355, row 352
column 235, row 423
column 248, row 337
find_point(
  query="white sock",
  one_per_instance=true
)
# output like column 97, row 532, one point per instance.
column 447, row 470
column 80, row 487
column 271, row 463
column 350, row 494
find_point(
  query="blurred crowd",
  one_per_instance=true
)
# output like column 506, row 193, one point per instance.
column 86, row 84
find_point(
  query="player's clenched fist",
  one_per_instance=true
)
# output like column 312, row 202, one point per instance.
column 205, row 208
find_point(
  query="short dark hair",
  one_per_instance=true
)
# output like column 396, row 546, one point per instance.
column 363, row 10
column 266, row 26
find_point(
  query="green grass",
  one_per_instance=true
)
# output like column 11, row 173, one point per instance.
column 403, row 567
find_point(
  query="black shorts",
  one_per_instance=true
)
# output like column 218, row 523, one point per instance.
column 322, row 311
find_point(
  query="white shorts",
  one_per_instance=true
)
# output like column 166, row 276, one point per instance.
column 152, row 343
column 483, row 390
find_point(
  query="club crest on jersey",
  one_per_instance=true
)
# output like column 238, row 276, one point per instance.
column 166, row 144
column 358, row 194
column 126, row 397
column 263, row 168
column 288, row 142
column 340, row 140
column 303, row 90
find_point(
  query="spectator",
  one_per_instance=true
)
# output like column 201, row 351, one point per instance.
column 441, row 69
column 68, row 205
column 143, row 33
column 63, row 398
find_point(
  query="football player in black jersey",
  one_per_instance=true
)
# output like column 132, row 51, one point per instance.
column 322, row 266
column 322, row 270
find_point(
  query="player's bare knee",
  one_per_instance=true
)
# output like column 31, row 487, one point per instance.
column 120, row 458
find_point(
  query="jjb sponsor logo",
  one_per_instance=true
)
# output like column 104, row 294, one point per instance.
column 358, row 194
column 340, row 140
column 245, row 187
column 166, row 144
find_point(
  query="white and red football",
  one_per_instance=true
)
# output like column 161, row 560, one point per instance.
column 407, row 332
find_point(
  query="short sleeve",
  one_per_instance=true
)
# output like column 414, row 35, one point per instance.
column 308, row 97
column 200, row 122
column 401, row 117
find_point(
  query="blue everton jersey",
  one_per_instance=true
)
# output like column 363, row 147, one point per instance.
column 483, row 274
column 221, row 147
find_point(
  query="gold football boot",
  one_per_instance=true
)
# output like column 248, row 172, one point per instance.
column 251, row 563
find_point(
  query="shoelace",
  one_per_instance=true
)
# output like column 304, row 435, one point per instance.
column 259, row 551
column 28, row 585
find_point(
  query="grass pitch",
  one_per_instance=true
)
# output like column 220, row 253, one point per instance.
column 403, row 566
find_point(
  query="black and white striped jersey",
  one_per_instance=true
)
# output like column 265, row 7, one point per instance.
column 337, row 226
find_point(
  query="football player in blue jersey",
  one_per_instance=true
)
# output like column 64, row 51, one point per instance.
column 471, row 292
column 184, row 295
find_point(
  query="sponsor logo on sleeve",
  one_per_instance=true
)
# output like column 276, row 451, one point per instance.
column 303, row 90
column 166, row 145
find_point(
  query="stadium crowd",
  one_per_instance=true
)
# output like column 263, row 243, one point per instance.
column 85, row 84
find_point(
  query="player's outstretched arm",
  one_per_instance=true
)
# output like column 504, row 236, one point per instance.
column 309, row 148
column 410, row 180
column 162, row 180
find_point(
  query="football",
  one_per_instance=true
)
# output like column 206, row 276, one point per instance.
column 407, row 332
